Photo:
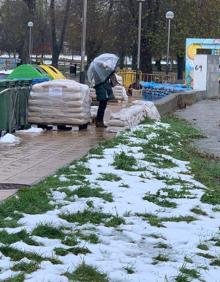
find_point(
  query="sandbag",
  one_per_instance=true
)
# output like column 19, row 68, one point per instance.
column 59, row 102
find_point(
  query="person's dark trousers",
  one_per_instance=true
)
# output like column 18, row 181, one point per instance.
column 101, row 111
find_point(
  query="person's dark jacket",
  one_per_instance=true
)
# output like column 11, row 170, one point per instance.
column 104, row 91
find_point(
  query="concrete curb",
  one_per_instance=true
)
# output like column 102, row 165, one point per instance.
column 173, row 102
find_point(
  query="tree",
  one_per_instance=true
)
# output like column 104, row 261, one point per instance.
column 13, row 31
column 57, row 36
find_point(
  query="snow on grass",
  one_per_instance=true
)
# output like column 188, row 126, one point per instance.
column 152, row 225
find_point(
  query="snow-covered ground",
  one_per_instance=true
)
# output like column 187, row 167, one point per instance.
column 165, row 228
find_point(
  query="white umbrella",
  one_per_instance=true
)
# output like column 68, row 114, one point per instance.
column 101, row 68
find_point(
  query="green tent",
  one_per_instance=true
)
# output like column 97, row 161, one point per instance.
column 28, row 72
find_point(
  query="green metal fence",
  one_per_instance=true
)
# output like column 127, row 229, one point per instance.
column 14, row 107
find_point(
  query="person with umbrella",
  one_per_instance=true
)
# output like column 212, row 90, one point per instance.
column 101, row 74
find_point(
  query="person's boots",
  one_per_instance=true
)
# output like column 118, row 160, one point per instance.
column 100, row 124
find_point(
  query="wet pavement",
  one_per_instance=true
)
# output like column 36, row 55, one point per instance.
column 41, row 155
column 205, row 115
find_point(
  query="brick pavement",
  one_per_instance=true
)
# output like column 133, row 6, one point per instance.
column 40, row 155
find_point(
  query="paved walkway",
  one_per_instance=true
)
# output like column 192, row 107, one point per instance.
column 206, row 116
column 40, row 155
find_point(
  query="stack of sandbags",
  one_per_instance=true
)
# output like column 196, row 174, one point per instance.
column 120, row 93
column 132, row 116
column 150, row 108
column 59, row 102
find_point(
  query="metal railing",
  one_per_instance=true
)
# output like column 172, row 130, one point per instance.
column 129, row 77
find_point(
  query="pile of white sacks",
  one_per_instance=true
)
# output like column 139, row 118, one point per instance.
column 59, row 102
column 131, row 116
column 118, row 91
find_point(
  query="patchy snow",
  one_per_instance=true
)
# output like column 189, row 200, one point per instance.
column 31, row 130
column 63, row 178
column 9, row 139
column 135, row 244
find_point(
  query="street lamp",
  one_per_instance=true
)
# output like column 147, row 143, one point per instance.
column 139, row 42
column 30, row 25
column 169, row 17
column 83, row 42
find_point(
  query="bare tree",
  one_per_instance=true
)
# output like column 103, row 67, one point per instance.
column 57, row 39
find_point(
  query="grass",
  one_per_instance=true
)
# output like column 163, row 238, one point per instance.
column 75, row 250
column 37, row 199
column 88, row 216
column 92, row 238
column 70, row 240
column 98, row 150
column 18, row 278
column 26, row 267
column 17, row 255
column 176, row 194
column 48, row 231
column 129, row 269
column 86, row 273
column 160, row 202
column 7, row 238
column 109, row 177
column 203, row 247
column 161, row 245
column 161, row 258
column 87, row 191
column 158, row 221
column 215, row 262
column 205, row 169
column 188, row 260
column 208, row 256
column 123, row 185
column 198, row 211
column 124, row 162
column 189, row 272
column 182, row 278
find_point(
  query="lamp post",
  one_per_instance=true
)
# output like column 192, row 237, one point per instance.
column 30, row 25
column 83, row 42
column 139, row 41
column 169, row 17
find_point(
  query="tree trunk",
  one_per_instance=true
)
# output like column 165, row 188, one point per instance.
column 121, row 60
column 146, row 57
column 57, row 45
column 134, row 57
column 31, row 4
column 180, row 66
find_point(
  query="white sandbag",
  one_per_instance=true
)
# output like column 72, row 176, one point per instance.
column 116, row 123
column 129, row 117
column 59, row 102
column 118, row 91
column 150, row 109
column 94, row 110
column 77, row 105
column 55, row 113
column 65, row 84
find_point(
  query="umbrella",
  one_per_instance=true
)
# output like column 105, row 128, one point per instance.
column 101, row 68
